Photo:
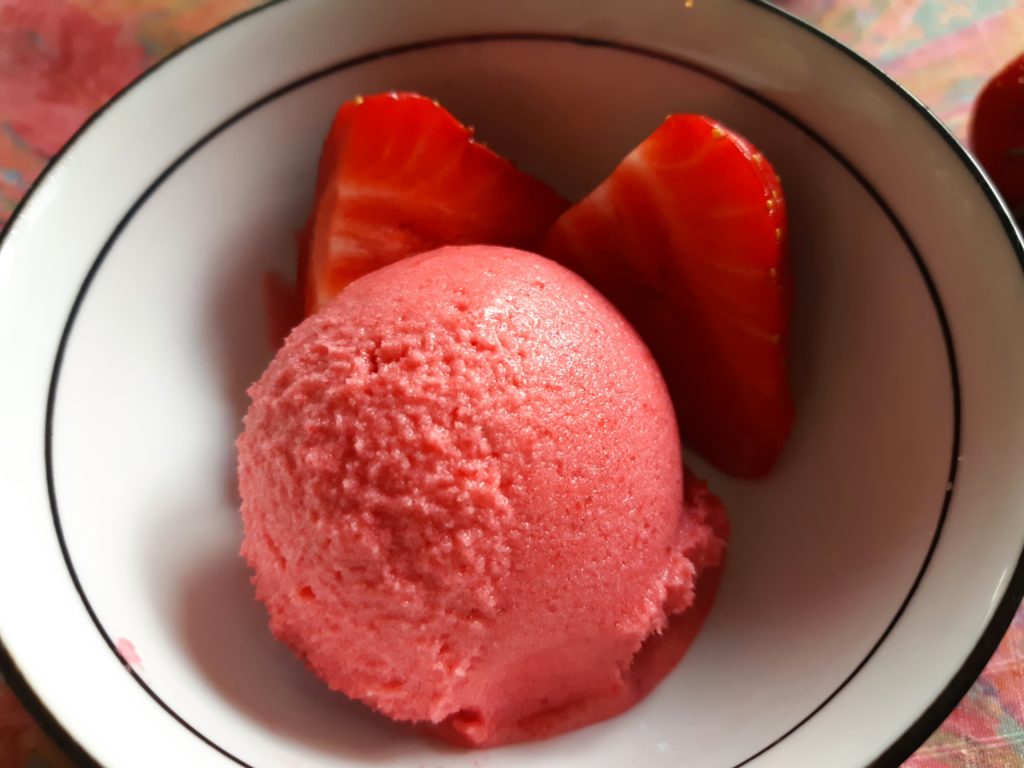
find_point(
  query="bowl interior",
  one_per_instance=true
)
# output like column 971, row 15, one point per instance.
column 824, row 554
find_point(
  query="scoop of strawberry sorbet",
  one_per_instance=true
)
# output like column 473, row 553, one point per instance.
column 463, row 499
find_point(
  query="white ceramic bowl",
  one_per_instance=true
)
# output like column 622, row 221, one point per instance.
column 870, row 577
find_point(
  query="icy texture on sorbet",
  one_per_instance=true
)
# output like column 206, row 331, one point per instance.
column 463, row 497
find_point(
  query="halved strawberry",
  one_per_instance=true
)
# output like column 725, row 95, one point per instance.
column 400, row 175
column 688, row 238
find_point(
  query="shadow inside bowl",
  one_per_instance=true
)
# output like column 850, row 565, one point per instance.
column 224, row 630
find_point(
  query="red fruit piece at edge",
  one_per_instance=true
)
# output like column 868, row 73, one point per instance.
column 996, row 133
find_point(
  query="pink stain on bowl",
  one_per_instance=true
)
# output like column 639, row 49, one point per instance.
column 126, row 650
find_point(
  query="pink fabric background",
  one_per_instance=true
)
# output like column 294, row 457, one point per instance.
column 61, row 59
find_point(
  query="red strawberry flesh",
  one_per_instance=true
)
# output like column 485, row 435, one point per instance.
column 688, row 238
column 400, row 175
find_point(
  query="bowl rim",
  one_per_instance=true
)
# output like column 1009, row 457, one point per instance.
column 992, row 634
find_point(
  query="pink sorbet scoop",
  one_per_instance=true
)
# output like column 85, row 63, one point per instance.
column 463, row 499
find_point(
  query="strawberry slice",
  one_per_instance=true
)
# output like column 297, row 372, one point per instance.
column 687, row 238
column 400, row 175
column 997, row 133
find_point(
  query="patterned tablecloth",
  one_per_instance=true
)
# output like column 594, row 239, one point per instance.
column 61, row 59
